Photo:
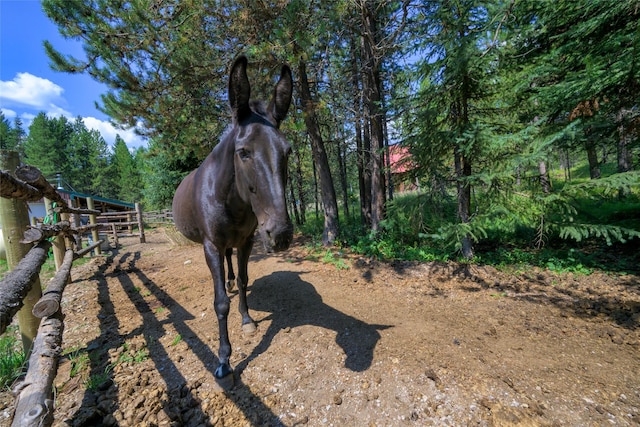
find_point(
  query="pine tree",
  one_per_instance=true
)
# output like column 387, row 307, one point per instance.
column 125, row 172
column 42, row 146
column 456, row 113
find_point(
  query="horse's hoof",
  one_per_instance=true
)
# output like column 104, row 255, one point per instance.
column 226, row 383
column 249, row 328
column 230, row 285
column 224, row 376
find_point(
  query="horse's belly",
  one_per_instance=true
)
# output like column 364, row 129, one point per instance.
column 183, row 210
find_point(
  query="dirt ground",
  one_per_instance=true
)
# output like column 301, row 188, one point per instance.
column 375, row 344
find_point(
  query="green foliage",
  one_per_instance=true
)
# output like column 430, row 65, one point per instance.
column 160, row 177
column 177, row 339
column 591, row 210
column 79, row 359
column 95, row 381
column 126, row 172
column 11, row 136
column 487, row 96
column 12, row 358
column 335, row 259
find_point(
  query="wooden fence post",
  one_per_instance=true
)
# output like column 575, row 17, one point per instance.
column 58, row 242
column 140, row 223
column 92, row 220
column 15, row 220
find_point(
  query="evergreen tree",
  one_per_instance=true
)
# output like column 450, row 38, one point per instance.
column 125, row 172
column 11, row 136
column 166, row 65
column 42, row 146
column 583, row 72
column 455, row 105
column 6, row 137
column 160, row 177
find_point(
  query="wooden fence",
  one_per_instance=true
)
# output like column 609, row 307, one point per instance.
column 164, row 216
column 34, row 400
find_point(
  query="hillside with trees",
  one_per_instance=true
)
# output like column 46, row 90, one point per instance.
column 522, row 118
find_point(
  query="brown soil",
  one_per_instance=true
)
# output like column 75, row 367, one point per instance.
column 377, row 344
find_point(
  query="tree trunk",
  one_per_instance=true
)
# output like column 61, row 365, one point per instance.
column 592, row 157
column 343, row 178
column 371, row 88
column 463, row 171
column 327, row 191
column 624, row 139
column 544, row 178
column 361, row 151
column 299, row 184
column 294, row 206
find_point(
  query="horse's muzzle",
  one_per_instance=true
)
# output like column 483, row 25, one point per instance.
column 278, row 239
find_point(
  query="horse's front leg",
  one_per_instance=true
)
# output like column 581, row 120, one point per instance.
column 215, row 261
column 248, row 325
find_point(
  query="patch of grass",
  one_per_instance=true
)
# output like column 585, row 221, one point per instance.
column 94, row 382
column 12, row 358
column 176, row 340
column 79, row 359
column 335, row 259
column 128, row 356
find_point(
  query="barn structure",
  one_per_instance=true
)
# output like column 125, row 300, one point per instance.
column 401, row 166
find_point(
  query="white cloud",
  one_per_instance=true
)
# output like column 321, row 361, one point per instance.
column 9, row 114
column 109, row 132
column 30, row 90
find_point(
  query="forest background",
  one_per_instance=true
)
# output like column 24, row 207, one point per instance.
column 522, row 118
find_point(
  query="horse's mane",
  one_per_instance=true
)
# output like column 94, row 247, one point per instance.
column 257, row 106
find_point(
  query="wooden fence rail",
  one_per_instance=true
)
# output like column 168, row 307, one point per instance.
column 164, row 216
column 34, row 402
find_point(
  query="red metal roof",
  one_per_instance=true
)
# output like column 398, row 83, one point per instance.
column 400, row 159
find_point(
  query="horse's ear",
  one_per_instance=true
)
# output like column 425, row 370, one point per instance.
column 239, row 89
column 279, row 104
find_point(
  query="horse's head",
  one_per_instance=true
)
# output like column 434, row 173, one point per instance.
column 262, row 153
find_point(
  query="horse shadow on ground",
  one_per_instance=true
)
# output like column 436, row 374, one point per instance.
column 181, row 397
column 294, row 302
column 290, row 301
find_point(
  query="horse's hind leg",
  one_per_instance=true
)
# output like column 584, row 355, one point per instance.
column 231, row 277
column 248, row 325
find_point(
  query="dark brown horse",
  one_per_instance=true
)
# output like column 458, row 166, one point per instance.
column 238, row 187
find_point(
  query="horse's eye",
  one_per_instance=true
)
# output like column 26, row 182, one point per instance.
column 244, row 153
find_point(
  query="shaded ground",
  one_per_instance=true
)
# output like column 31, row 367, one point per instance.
column 377, row 344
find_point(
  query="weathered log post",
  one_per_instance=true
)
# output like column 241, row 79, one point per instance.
column 15, row 220
column 140, row 223
column 74, row 219
column 92, row 220
column 58, row 242
column 15, row 286
column 34, row 403
column 49, row 304
column 129, row 222
column 114, row 231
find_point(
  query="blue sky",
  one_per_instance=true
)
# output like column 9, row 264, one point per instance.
column 28, row 85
